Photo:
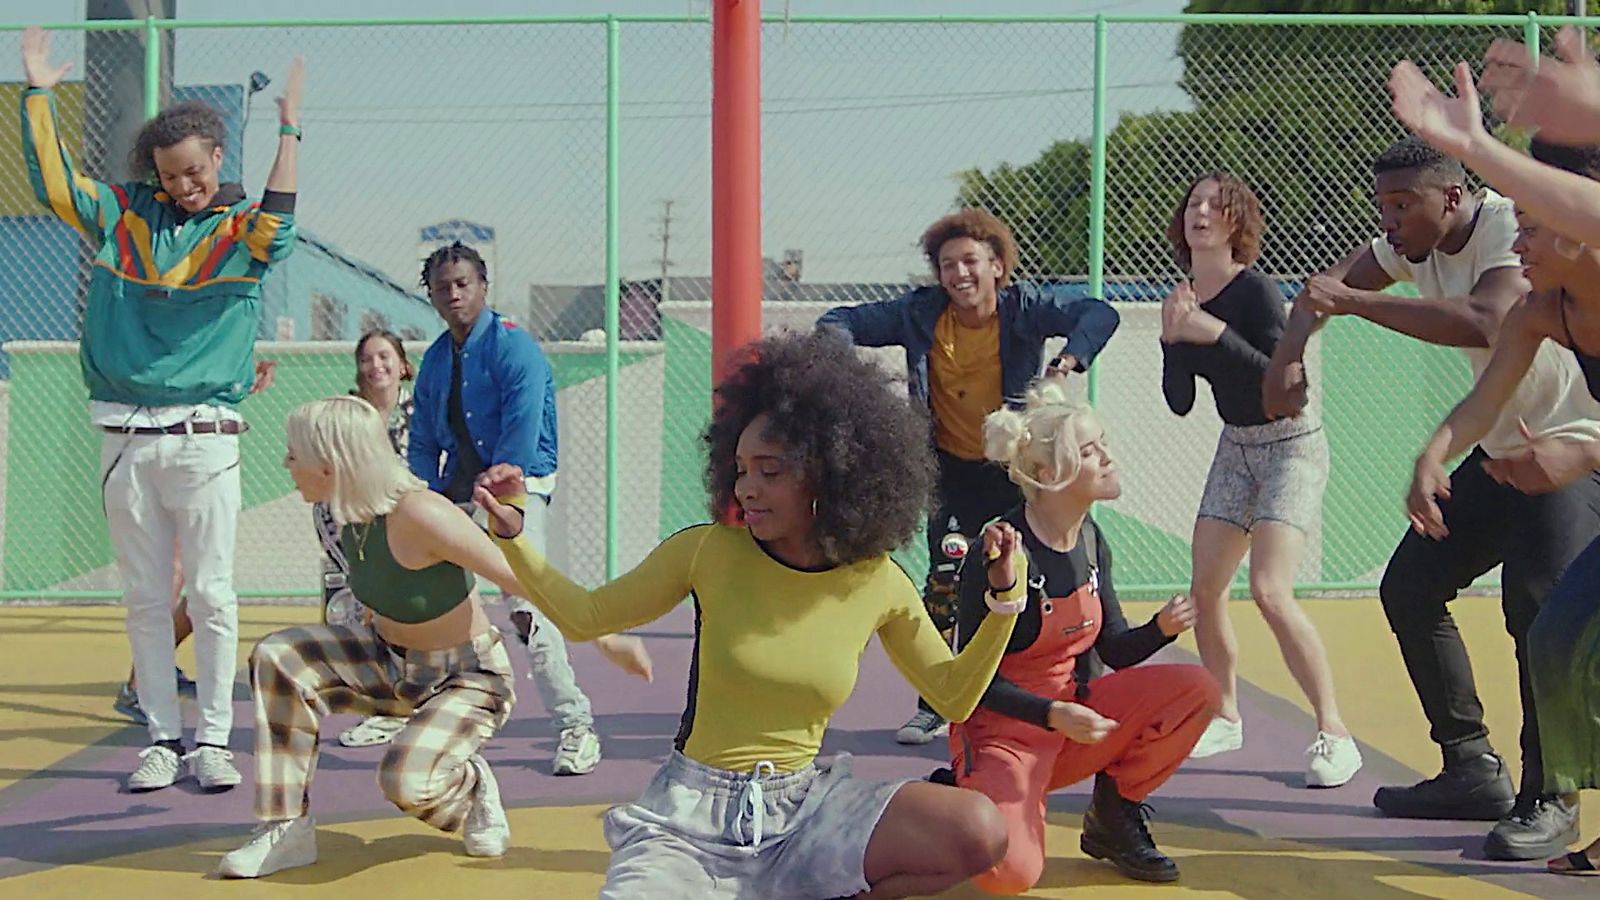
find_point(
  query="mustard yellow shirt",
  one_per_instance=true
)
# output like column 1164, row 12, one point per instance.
column 963, row 383
column 777, row 649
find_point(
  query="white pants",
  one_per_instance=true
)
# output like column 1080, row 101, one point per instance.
column 180, row 490
column 551, row 668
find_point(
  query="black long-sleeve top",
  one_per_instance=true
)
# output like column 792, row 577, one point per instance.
column 1252, row 308
column 1051, row 574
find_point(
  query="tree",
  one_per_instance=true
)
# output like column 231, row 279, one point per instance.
column 1297, row 111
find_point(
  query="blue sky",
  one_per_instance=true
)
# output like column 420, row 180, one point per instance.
column 865, row 127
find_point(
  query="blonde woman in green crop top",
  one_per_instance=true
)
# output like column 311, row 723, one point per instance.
column 830, row 469
column 429, row 653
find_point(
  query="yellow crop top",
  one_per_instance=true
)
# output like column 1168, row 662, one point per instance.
column 777, row 649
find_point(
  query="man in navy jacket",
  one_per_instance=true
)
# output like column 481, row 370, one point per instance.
column 972, row 341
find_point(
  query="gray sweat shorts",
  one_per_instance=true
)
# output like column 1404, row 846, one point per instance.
column 701, row 832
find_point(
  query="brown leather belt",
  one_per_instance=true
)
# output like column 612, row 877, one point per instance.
column 226, row 426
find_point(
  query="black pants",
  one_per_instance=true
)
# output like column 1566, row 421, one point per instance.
column 971, row 493
column 1533, row 537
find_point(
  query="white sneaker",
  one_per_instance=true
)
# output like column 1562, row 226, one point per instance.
column 578, row 751
column 1220, row 736
column 212, row 767
column 922, row 728
column 158, row 768
column 371, row 731
column 273, row 846
column 1332, row 761
column 487, row 832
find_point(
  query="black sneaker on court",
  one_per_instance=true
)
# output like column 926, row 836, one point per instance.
column 1536, row 828
column 1478, row 789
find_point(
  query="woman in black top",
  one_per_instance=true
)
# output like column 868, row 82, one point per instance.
column 1264, row 491
column 1045, row 721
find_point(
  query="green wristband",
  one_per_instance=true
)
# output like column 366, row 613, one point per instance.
column 290, row 131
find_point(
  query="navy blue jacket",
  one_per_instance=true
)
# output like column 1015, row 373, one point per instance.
column 1029, row 313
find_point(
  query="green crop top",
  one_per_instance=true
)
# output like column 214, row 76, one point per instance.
column 410, row 596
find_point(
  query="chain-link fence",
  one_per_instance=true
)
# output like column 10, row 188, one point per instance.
column 497, row 134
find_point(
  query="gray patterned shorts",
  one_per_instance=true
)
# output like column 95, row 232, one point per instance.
column 699, row 832
column 1272, row 472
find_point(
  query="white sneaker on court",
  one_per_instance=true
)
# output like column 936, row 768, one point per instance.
column 213, row 768
column 577, row 751
column 1332, row 761
column 273, row 846
column 158, row 768
column 487, row 832
column 1220, row 736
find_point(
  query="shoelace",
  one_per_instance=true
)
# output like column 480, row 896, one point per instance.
column 270, row 830
column 1322, row 747
column 753, row 803
column 925, row 720
column 162, row 759
column 571, row 739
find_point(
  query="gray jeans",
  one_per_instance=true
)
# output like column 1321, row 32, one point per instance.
column 549, row 667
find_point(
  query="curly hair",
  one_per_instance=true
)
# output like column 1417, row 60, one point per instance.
column 980, row 225
column 1414, row 153
column 456, row 252
column 863, row 448
column 1579, row 160
column 1239, row 203
column 172, row 125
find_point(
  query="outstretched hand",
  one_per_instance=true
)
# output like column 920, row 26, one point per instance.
column 1177, row 616
column 1560, row 97
column 501, row 480
column 36, row 59
column 1453, row 125
column 289, row 100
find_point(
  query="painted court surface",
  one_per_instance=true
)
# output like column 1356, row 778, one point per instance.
column 1239, row 824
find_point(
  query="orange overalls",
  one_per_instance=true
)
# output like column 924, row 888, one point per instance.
column 1161, row 711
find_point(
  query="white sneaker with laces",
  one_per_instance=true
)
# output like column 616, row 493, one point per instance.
column 487, row 832
column 1332, row 761
column 272, row 847
column 158, row 768
column 922, row 728
column 1221, row 736
column 577, row 752
column 213, row 768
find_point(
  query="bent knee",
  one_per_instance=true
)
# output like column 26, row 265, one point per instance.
column 410, row 791
column 1016, row 873
column 983, row 838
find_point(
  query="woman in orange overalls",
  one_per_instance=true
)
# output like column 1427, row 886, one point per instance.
column 1045, row 722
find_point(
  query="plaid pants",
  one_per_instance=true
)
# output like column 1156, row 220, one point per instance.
column 455, row 699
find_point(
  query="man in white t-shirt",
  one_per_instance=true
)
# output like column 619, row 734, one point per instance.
column 1455, row 246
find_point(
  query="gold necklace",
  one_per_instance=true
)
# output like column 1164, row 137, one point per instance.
column 362, row 531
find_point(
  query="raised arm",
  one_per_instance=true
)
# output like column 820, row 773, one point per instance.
column 953, row 685
column 647, row 592
column 1284, row 387
column 269, row 228
column 1086, row 322
column 1563, row 201
column 879, row 324
column 74, row 198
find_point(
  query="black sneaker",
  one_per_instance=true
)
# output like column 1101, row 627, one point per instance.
column 1536, row 828
column 1114, row 830
column 1478, row 789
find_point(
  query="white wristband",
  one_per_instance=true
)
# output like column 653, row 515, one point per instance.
column 1005, row 607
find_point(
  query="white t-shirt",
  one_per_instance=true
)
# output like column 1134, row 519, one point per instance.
column 1552, row 398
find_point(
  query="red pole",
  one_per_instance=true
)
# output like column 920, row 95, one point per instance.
column 735, row 179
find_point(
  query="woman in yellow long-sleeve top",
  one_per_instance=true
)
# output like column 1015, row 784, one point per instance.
column 829, row 470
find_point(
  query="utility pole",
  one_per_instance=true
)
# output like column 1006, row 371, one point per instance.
column 666, row 245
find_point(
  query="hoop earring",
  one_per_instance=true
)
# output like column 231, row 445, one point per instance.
column 813, row 507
